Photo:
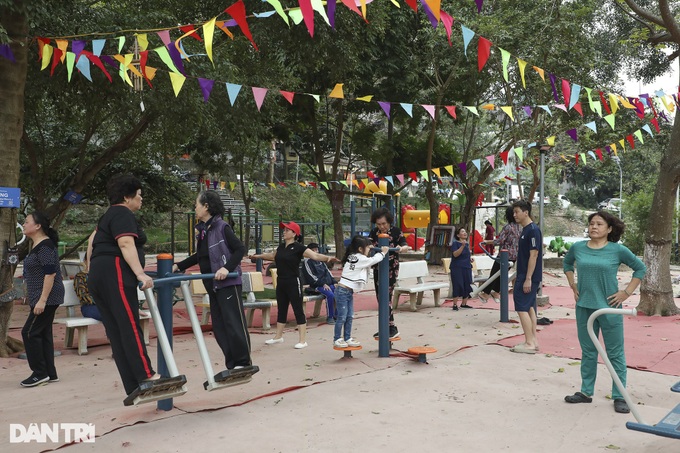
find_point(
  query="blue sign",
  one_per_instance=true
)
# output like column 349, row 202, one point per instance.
column 10, row 197
column 73, row 197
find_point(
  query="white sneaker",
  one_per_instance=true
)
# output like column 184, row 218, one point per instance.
column 301, row 345
column 353, row 342
column 274, row 340
column 340, row 343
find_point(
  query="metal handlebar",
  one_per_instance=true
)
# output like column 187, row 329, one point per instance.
column 174, row 278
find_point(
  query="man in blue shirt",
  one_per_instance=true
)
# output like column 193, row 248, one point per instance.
column 529, row 268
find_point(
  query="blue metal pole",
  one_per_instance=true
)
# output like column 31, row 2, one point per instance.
column 258, row 246
column 165, row 261
column 505, row 266
column 383, row 301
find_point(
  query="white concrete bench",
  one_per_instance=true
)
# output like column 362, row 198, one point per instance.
column 318, row 299
column 480, row 270
column 409, row 270
column 252, row 282
column 75, row 322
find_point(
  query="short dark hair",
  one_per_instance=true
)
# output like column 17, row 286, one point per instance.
column 213, row 200
column 456, row 234
column 121, row 186
column 487, row 222
column 522, row 205
column 617, row 225
column 382, row 212
column 312, row 245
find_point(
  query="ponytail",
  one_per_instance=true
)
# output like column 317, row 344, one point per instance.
column 41, row 219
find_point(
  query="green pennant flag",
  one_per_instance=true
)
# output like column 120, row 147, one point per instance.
column 611, row 119
column 505, row 55
column 520, row 153
column 165, row 57
column 425, row 175
column 638, row 134
column 324, row 184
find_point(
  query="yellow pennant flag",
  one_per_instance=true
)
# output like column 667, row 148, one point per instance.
column 272, row 185
column 177, row 81
column 208, row 32
column 62, row 44
column 365, row 98
column 232, row 185
column 222, row 185
column 396, row 3
column 150, row 72
column 613, row 147
column 449, row 169
column 625, row 102
column 613, row 102
column 122, row 71
column 540, row 72
column 46, row 56
column 508, row 111
column 142, row 41
column 302, row 184
column 337, row 92
column 551, row 140
column 437, row 172
column 522, row 64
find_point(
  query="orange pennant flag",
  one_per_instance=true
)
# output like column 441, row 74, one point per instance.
column 337, row 92
column 540, row 71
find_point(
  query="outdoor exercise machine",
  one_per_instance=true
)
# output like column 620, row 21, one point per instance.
column 502, row 273
column 173, row 384
column 669, row 426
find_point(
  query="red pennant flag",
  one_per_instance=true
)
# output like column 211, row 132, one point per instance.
column 504, row 156
column 604, row 103
column 142, row 65
column 351, row 4
column 576, row 158
column 578, row 108
column 370, row 174
column 413, row 4
column 362, row 186
column 413, row 175
column 289, row 95
column 452, row 111
column 187, row 28
column 639, row 108
column 598, row 151
column 566, row 91
column 656, row 124
column 307, row 15
column 238, row 12
column 56, row 58
column 313, row 184
column 97, row 62
column 483, row 52
column 631, row 142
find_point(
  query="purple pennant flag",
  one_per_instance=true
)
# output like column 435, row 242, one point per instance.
column 6, row 52
column 206, row 87
column 214, row 185
column 552, row 82
column 608, row 149
column 527, row 110
column 430, row 15
column 330, row 12
column 479, row 5
column 377, row 181
column 463, row 167
column 572, row 133
column 110, row 61
column 176, row 58
column 77, row 47
column 386, row 107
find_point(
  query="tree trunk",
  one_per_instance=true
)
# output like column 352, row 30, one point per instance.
column 337, row 199
column 12, row 83
column 657, row 289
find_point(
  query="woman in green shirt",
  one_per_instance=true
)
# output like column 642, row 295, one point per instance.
column 598, row 262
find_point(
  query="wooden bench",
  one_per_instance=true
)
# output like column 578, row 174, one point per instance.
column 415, row 270
column 74, row 322
column 318, row 299
column 252, row 282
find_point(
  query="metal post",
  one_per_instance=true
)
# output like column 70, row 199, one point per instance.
column 258, row 246
column 164, row 292
column 383, row 300
column 505, row 266
column 617, row 159
column 172, row 231
column 352, row 217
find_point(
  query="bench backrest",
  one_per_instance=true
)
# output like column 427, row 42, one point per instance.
column 71, row 300
column 252, row 282
column 413, row 269
column 197, row 286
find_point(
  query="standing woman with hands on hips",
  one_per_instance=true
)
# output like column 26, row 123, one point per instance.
column 45, row 292
column 287, row 257
column 597, row 262
column 461, row 268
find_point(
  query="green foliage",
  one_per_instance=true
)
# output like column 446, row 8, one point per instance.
column 637, row 211
column 292, row 203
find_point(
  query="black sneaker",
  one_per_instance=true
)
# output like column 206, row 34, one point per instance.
column 54, row 379
column 376, row 335
column 34, row 380
column 394, row 332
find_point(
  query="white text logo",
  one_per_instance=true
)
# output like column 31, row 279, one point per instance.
column 52, row 432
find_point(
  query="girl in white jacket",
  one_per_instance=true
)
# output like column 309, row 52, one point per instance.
column 354, row 276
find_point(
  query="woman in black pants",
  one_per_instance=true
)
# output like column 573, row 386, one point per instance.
column 116, row 267
column 288, row 284
column 45, row 292
column 509, row 240
column 219, row 252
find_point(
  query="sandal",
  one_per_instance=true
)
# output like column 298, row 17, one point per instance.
column 579, row 397
column 621, row 406
column 455, row 307
column 466, row 306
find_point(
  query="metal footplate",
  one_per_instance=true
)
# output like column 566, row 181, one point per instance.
column 229, row 378
column 160, row 389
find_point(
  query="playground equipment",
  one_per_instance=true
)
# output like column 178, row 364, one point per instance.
column 502, row 273
column 412, row 218
column 347, row 350
column 669, row 426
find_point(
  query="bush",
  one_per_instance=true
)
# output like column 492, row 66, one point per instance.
column 636, row 211
column 583, row 198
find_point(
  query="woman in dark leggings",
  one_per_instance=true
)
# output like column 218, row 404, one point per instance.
column 509, row 240
column 288, row 285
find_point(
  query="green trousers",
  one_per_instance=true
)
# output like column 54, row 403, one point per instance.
column 611, row 327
